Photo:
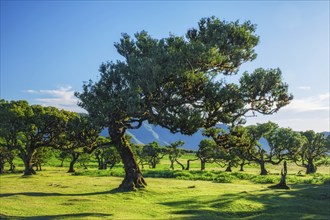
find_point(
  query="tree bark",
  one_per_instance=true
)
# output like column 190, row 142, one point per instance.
column 202, row 164
column 241, row 167
column 263, row 170
column 311, row 168
column 72, row 163
column 27, row 159
column 133, row 175
column 154, row 162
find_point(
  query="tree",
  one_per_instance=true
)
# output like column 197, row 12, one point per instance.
column 106, row 154
column 26, row 128
column 40, row 157
column 283, row 143
column 230, row 146
column 80, row 136
column 255, row 151
column 206, row 152
column 173, row 82
column 316, row 146
column 152, row 153
column 174, row 152
column 61, row 155
column 6, row 155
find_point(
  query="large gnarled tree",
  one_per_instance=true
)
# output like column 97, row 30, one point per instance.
column 178, row 83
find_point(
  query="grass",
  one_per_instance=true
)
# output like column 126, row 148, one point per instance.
column 55, row 194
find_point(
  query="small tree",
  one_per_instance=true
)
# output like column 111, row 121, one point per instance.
column 81, row 136
column 231, row 146
column 7, row 154
column 206, row 152
column 61, row 156
column 106, row 155
column 316, row 146
column 174, row 152
column 152, row 153
column 41, row 156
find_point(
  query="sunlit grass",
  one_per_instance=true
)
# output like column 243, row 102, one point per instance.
column 53, row 193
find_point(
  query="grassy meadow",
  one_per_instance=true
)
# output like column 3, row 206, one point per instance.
column 212, row 194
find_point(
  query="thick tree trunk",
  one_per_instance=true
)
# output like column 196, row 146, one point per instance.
column 263, row 170
column 133, row 175
column 311, row 168
column 27, row 159
column 241, row 167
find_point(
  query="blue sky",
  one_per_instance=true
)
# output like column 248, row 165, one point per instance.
column 49, row 48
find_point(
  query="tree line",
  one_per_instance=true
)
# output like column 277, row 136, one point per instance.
column 30, row 131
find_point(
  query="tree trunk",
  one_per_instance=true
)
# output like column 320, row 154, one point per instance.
column 72, row 163
column 154, row 162
column 241, row 167
column 284, row 171
column 263, row 170
column 311, row 168
column 182, row 166
column 62, row 161
column 202, row 164
column 12, row 167
column 27, row 159
column 133, row 175
column 228, row 169
column 188, row 163
column 99, row 162
column 172, row 164
column 282, row 184
column 2, row 166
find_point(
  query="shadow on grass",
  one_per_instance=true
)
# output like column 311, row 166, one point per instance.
column 302, row 202
column 78, row 215
column 41, row 194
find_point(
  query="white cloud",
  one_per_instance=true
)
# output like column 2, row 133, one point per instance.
column 306, row 88
column 309, row 113
column 308, row 104
column 62, row 98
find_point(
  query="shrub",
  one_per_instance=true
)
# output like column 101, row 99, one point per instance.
column 224, row 178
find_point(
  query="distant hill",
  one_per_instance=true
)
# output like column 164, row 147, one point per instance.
column 148, row 133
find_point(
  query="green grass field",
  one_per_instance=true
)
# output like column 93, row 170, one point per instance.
column 55, row 194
